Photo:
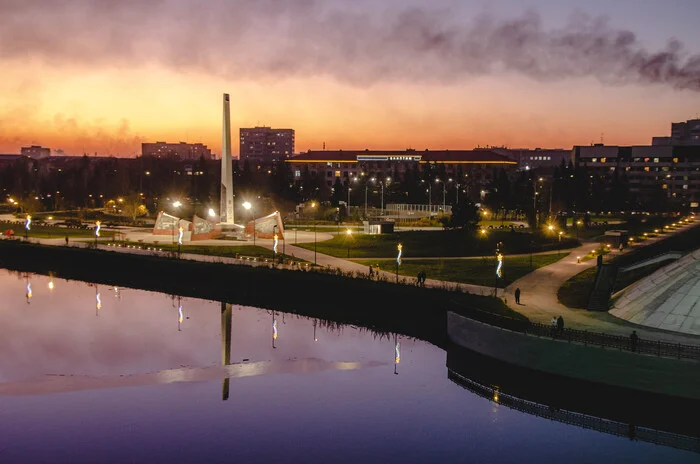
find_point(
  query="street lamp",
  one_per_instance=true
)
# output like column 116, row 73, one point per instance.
column 248, row 207
column 430, row 197
column 399, row 248
column 212, row 213
column 176, row 204
column 444, row 194
column 313, row 205
column 560, row 234
column 347, row 239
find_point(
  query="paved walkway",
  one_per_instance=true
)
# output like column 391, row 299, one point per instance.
column 539, row 300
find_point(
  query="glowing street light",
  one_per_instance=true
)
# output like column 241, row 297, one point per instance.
column 51, row 285
column 399, row 247
column 177, row 204
column 348, row 234
column 212, row 213
column 313, row 205
column 248, row 207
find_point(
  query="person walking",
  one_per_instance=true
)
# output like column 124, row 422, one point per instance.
column 371, row 271
column 634, row 338
column 517, row 296
column 66, row 240
column 560, row 324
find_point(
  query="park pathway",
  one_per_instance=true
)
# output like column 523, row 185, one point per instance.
column 539, row 300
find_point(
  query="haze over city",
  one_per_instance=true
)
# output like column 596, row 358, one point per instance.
column 87, row 76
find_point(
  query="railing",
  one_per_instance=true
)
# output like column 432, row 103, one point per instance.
column 586, row 421
column 598, row 339
column 619, row 342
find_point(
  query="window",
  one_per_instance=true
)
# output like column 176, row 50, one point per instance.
column 656, row 160
column 646, row 168
column 603, row 160
column 594, row 160
column 329, row 173
column 297, row 173
column 664, row 186
column 685, row 187
column 337, row 173
column 675, row 160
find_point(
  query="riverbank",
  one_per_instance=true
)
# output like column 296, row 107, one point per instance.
column 380, row 306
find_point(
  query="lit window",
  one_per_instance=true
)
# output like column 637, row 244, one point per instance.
column 594, row 160
column 685, row 187
column 602, row 160
column 646, row 168
column 664, row 186
column 656, row 160
column 675, row 160
column 337, row 173
column 646, row 160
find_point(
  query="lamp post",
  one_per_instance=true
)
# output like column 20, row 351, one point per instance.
column 27, row 226
column 313, row 205
column 559, row 247
column 347, row 239
column 366, row 199
column 97, row 231
column 248, row 207
column 176, row 205
column 578, row 223
column 534, row 202
column 399, row 247
column 444, row 194
column 499, row 268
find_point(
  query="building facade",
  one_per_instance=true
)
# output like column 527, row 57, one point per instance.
column 528, row 159
column 36, row 152
column 265, row 145
column 682, row 133
column 672, row 171
column 182, row 150
column 476, row 165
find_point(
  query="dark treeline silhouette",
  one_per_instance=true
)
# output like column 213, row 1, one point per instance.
column 59, row 183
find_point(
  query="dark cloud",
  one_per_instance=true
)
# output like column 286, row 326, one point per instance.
column 278, row 39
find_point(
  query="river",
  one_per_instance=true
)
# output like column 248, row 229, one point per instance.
column 104, row 374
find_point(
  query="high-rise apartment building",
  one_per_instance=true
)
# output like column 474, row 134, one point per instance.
column 682, row 133
column 36, row 152
column 185, row 151
column 265, row 145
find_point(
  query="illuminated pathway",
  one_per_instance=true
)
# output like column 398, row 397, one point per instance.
column 540, row 303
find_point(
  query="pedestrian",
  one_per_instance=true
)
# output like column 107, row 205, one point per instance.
column 66, row 240
column 418, row 277
column 634, row 338
column 620, row 246
column 517, row 296
column 560, row 324
column 423, row 277
column 554, row 322
column 371, row 271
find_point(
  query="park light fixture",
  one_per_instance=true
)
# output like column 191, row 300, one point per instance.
column 483, row 231
column 348, row 232
column 212, row 213
column 177, row 204
column 51, row 284
column 656, row 231
column 499, row 266
column 550, row 227
column 247, row 205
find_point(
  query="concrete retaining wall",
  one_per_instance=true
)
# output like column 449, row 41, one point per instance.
column 606, row 366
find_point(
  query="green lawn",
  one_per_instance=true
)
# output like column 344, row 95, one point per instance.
column 576, row 291
column 468, row 271
column 227, row 251
column 442, row 243
column 38, row 231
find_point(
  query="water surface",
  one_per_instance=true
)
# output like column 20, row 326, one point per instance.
column 100, row 374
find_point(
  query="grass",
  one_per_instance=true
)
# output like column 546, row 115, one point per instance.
column 469, row 271
column 230, row 251
column 38, row 231
column 444, row 243
column 576, row 291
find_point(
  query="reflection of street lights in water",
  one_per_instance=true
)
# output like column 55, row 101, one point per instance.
column 397, row 353
column 274, row 330
column 98, row 301
column 179, row 313
column 28, row 294
column 315, row 323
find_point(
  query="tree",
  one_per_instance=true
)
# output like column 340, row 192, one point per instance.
column 465, row 216
column 132, row 207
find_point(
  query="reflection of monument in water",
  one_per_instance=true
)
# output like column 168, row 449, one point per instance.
column 226, row 310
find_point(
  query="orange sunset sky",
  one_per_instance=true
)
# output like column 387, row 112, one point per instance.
column 105, row 76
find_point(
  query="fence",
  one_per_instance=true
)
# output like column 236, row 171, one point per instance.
column 599, row 339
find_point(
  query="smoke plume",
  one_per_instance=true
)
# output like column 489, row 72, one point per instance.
column 251, row 39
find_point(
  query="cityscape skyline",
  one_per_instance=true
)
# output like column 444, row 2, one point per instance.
column 353, row 77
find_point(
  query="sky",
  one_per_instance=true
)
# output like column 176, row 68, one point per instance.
column 103, row 76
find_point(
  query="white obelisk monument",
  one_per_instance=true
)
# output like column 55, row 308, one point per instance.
column 226, row 215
